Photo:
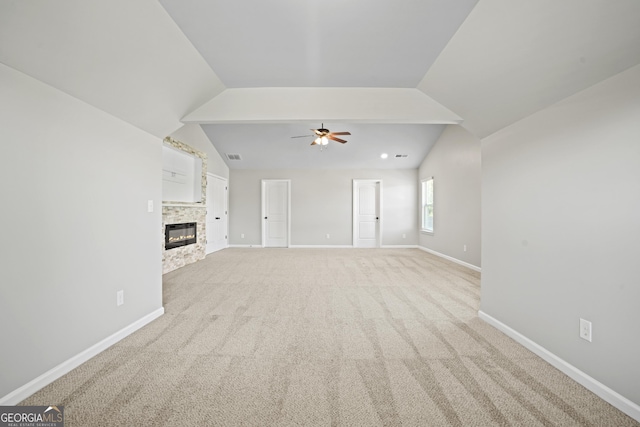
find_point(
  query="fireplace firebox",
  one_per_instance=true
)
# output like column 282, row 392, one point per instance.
column 176, row 235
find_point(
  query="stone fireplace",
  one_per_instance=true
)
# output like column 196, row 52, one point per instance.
column 183, row 223
column 182, row 255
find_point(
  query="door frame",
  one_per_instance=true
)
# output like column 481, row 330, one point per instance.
column 263, row 185
column 226, row 202
column 356, row 202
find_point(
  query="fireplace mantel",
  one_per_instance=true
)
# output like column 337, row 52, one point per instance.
column 185, row 205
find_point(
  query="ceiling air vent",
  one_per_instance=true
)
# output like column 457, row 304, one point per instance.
column 401, row 155
column 233, row 156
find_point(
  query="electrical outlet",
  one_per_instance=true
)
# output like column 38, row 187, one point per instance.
column 464, row 247
column 242, row 236
column 327, row 235
column 149, row 205
column 585, row 330
column 404, row 236
column 119, row 298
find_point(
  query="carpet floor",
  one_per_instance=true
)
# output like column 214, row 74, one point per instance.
column 335, row 337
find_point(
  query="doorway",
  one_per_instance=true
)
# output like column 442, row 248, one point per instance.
column 217, row 213
column 367, row 221
column 276, row 213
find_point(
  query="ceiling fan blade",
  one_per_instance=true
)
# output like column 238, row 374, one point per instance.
column 314, row 142
column 330, row 136
column 317, row 132
column 340, row 133
column 303, row 136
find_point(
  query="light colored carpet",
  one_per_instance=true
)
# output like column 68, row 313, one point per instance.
column 262, row 337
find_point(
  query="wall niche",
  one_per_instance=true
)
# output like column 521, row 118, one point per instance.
column 184, row 173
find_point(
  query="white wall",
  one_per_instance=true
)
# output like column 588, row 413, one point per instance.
column 321, row 203
column 454, row 162
column 193, row 135
column 561, row 229
column 74, row 185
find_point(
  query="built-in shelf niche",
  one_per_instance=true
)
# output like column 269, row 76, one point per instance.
column 184, row 174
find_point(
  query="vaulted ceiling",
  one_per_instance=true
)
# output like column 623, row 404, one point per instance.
column 256, row 73
column 319, row 43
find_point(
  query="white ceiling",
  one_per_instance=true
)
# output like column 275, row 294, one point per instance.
column 513, row 58
column 333, row 52
column 319, row 43
column 390, row 72
column 273, row 145
column 124, row 57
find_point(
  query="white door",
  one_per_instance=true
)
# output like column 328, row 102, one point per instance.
column 366, row 213
column 275, row 213
column 217, row 190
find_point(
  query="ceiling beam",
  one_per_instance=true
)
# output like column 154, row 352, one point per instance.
column 355, row 105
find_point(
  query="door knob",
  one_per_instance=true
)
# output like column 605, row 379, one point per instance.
column 265, row 217
column 217, row 217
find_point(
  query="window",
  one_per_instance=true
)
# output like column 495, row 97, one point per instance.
column 427, row 204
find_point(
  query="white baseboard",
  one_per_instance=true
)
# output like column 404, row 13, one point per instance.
column 601, row 390
column 457, row 261
column 53, row 374
column 331, row 247
column 321, row 246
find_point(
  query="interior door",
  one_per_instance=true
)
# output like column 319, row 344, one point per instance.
column 217, row 236
column 275, row 213
column 366, row 213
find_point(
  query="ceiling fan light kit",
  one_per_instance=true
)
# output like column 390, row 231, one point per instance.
column 321, row 140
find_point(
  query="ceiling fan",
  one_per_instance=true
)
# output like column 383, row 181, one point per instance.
column 323, row 136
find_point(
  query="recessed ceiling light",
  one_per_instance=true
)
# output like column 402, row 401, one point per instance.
column 384, row 155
